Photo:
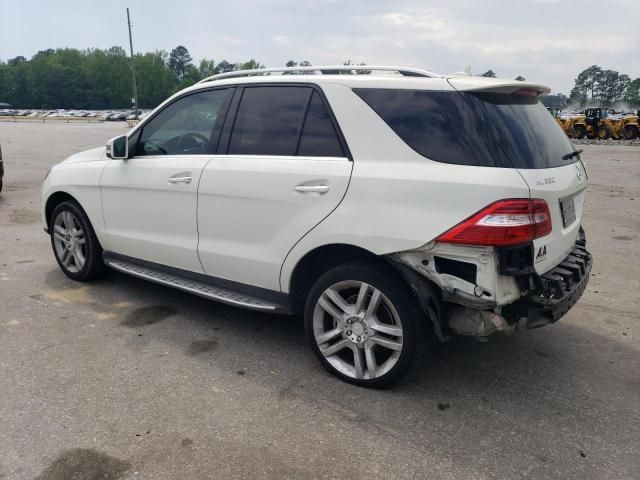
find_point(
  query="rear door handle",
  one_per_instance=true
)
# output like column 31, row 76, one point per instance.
column 312, row 188
column 181, row 179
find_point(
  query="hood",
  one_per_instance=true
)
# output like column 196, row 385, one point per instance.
column 92, row 155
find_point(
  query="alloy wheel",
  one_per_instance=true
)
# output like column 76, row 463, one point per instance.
column 357, row 330
column 69, row 241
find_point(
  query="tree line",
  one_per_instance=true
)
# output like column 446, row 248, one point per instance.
column 101, row 79
column 597, row 86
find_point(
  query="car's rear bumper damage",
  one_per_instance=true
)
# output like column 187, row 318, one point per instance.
column 551, row 295
column 487, row 289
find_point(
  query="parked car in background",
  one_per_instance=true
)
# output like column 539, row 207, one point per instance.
column 386, row 207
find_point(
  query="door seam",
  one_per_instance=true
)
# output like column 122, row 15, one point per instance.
column 198, row 211
column 314, row 226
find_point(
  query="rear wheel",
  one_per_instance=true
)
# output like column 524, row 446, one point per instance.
column 603, row 133
column 74, row 243
column 579, row 131
column 630, row 132
column 364, row 325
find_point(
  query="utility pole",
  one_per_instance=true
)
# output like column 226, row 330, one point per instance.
column 133, row 69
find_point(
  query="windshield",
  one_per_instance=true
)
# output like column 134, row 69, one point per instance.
column 480, row 129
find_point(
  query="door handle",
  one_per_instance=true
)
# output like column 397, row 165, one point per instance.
column 185, row 179
column 312, row 188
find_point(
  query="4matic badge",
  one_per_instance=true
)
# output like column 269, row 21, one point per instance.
column 542, row 254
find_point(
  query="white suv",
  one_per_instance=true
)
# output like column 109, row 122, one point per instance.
column 388, row 205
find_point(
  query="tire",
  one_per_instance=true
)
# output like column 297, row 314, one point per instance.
column 579, row 131
column 603, row 133
column 385, row 345
column 630, row 132
column 74, row 243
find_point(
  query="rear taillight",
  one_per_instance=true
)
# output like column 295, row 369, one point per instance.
column 503, row 223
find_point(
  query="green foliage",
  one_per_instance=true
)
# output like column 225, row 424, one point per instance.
column 101, row 79
column 558, row 100
column 155, row 80
column 179, row 61
column 191, row 76
column 632, row 95
column 225, row 66
column 207, row 67
column 250, row 65
column 595, row 86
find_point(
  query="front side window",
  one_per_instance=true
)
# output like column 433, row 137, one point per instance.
column 269, row 121
column 188, row 126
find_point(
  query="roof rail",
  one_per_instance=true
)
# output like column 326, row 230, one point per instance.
column 323, row 70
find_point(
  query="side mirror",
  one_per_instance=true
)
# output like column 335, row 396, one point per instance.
column 118, row 148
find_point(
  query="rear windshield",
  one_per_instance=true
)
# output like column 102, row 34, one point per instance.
column 481, row 129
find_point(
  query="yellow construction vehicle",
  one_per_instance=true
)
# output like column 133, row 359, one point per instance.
column 574, row 126
column 596, row 124
column 629, row 126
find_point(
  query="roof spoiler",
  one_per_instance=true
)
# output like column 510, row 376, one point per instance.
column 497, row 85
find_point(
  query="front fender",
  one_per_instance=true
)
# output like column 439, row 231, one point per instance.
column 81, row 181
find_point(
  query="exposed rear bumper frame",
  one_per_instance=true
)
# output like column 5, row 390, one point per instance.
column 552, row 294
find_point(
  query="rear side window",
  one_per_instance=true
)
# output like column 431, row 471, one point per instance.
column 319, row 138
column 286, row 120
column 480, row 129
column 269, row 121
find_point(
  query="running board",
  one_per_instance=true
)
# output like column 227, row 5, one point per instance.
column 189, row 285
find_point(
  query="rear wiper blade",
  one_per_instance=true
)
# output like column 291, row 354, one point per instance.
column 569, row 156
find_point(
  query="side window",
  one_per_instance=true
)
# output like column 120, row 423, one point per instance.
column 185, row 127
column 319, row 138
column 269, row 120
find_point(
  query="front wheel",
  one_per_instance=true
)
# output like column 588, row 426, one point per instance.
column 364, row 325
column 74, row 243
column 579, row 131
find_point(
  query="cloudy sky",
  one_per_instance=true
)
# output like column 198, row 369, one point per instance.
column 547, row 41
